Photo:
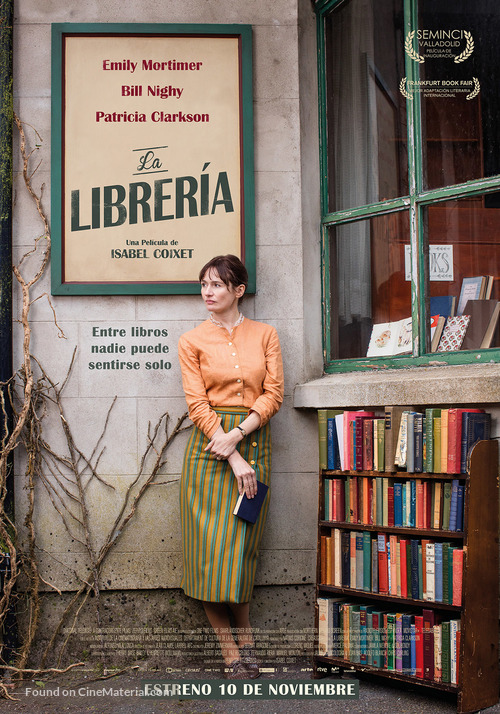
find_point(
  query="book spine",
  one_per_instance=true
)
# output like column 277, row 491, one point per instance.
column 322, row 437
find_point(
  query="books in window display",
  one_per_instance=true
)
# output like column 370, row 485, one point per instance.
column 476, row 288
column 484, row 316
column 453, row 333
column 390, row 338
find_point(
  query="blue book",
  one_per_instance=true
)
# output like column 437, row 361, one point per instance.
column 406, row 644
column 249, row 508
column 475, row 427
column 413, row 651
column 438, row 572
column 413, row 503
column 329, row 444
column 460, row 507
column 453, row 505
column 403, row 498
column 443, row 305
column 398, row 505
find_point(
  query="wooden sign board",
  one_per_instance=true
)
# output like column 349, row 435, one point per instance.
column 152, row 155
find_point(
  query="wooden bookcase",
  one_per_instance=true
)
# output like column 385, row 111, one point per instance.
column 478, row 679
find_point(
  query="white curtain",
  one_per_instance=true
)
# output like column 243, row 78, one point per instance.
column 356, row 151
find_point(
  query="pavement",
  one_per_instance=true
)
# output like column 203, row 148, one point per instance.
column 85, row 690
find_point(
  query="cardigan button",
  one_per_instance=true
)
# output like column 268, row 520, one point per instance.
column 254, row 444
column 252, row 463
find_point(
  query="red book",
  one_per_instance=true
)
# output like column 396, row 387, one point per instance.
column 420, row 504
column 459, row 635
column 349, row 418
column 419, row 645
column 383, row 574
column 428, row 632
column 366, row 501
column 455, row 437
column 368, row 444
column 403, row 543
column 427, row 504
column 390, row 506
column 458, row 564
column 370, row 500
column 338, row 500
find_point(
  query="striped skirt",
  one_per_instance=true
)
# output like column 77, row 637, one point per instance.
column 220, row 550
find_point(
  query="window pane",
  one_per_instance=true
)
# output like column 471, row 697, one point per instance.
column 460, row 100
column 464, row 249
column 366, row 112
column 369, row 284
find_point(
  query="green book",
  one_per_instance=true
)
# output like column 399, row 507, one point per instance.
column 391, row 640
column 437, row 445
column 430, row 415
column 322, row 437
column 354, row 633
column 445, row 654
column 380, row 443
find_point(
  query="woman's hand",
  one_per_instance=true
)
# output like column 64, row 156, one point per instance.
column 244, row 474
column 222, row 445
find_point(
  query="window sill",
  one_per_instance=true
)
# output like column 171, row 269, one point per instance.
column 457, row 384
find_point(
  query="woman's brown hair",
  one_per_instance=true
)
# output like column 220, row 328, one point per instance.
column 230, row 269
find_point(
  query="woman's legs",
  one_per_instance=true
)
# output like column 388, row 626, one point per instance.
column 241, row 612
column 218, row 616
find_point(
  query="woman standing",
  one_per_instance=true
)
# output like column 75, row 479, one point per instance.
column 232, row 376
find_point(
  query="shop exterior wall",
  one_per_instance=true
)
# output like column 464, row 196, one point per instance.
column 148, row 556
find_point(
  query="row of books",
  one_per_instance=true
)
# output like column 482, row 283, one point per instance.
column 469, row 324
column 412, row 568
column 384, row 501
column 433, row 441
column 420, row 645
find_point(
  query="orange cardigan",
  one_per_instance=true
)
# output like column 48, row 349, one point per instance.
column 241, row 369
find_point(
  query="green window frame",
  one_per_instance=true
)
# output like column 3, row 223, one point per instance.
column 415, row 203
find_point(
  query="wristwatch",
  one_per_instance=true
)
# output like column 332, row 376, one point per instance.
column 242, row 430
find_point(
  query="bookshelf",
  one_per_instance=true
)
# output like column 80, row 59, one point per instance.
column 473, row 604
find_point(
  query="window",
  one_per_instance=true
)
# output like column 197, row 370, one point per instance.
column 410, row 158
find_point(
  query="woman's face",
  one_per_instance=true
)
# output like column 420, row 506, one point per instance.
column 217, row 296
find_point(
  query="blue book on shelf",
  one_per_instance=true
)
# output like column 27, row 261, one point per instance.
column 453, row 505
column 438, row 572
column 398, row 505
column 413, row 502
column 332, row 445
column 403, row 499
column 406, row 644
column 413, row 651
column 443, row 305
column 460, row 507
column 475, row 427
